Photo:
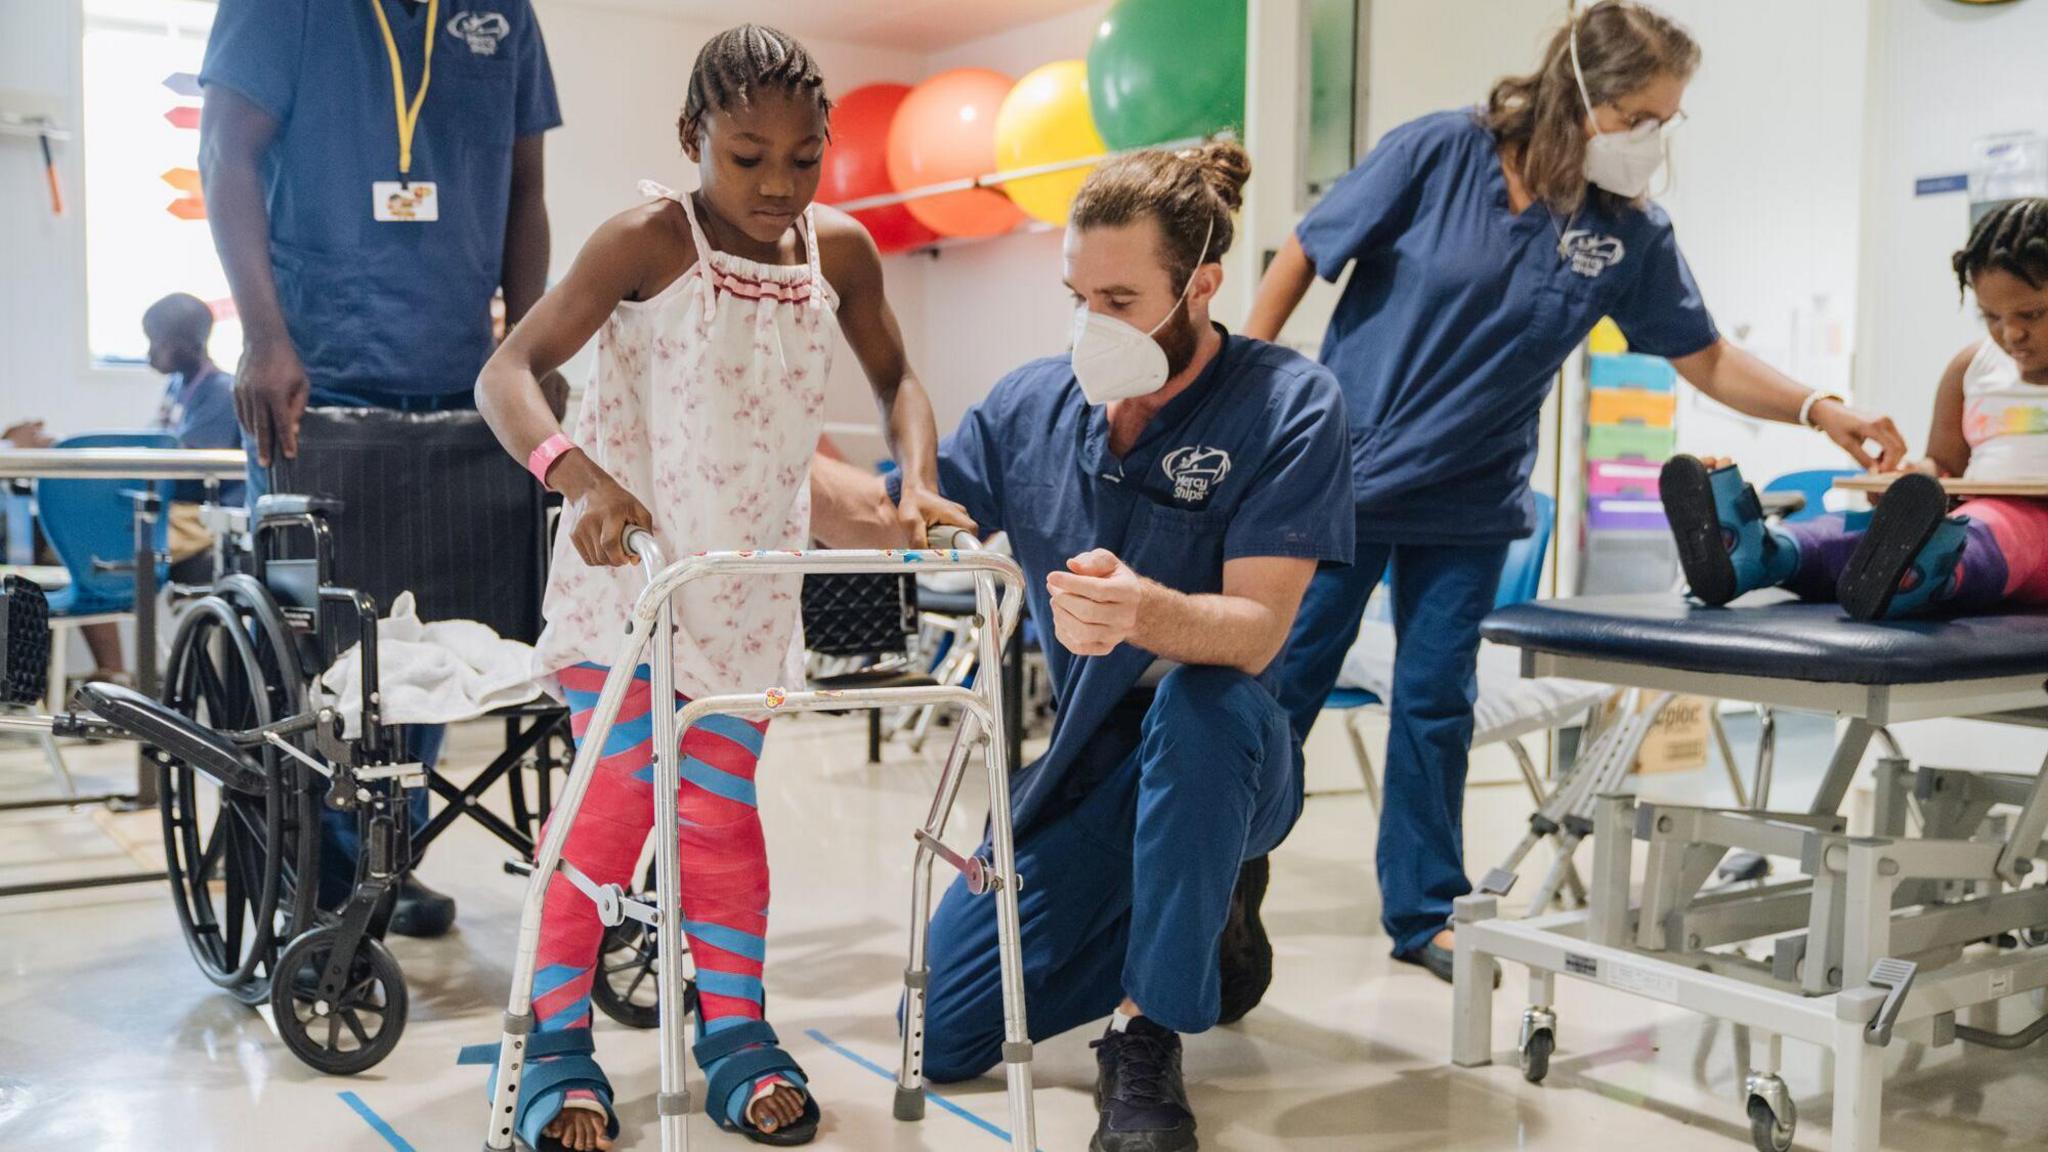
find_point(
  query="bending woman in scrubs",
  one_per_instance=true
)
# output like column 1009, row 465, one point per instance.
column 1488, row 242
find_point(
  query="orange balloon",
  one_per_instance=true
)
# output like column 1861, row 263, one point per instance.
column 946, row 130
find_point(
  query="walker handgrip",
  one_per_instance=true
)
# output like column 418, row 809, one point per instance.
column 946, row 537
column 641, row 543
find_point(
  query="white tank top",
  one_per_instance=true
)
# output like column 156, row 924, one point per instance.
column 2005, row 419
column 706, row 402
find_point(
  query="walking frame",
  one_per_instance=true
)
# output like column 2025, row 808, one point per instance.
column 652, row 626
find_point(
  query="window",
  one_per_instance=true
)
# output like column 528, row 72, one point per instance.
column 145, row 224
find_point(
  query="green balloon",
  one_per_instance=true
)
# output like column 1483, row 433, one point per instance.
column 1161, row 70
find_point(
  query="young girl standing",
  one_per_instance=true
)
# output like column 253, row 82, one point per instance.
column 711, row 311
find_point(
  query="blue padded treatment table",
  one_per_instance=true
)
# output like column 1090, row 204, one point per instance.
column 1774, row 636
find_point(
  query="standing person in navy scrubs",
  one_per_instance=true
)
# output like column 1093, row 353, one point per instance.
column 373, row 176
column 1487, row 243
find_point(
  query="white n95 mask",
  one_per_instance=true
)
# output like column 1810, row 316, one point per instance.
column 1623, row 163
column 1116, row 361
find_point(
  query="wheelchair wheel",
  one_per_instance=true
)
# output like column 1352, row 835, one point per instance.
column 352, row 1033
column 241, row 867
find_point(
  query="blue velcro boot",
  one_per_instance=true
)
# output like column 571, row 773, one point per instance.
column 1724, row 546
column 1906, row 562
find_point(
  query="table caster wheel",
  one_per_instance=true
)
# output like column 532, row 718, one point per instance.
column 1768, row 1130
column 1539, row 1042
column 1536, row 1057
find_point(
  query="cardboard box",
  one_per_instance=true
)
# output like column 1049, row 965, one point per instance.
column 1680, row 739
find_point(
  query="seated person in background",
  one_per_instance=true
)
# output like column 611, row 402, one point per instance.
column 1169, row 490
column 1990, row 424
column 198, row 404
column 198, row 407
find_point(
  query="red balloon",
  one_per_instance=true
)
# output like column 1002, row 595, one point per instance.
column 856, row 165
column 946, row 130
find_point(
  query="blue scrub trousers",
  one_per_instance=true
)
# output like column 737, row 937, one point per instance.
column 1125, row 891
column 339, row 845
column 1440, row 594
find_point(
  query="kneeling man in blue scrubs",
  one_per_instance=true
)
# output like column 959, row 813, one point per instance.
column 1169, row 489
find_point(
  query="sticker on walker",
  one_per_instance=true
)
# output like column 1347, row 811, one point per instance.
column 394, row 203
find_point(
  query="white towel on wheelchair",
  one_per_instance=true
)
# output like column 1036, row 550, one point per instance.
column 1508, row 706
column 439, row 673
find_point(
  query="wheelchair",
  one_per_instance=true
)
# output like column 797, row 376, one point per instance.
column 246, row 757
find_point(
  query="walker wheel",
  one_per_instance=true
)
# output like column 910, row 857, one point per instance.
column 357, row 1030
column 1768, row 1131
column 1536, row 1055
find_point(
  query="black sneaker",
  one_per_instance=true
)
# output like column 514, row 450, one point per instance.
column 1246, row 955
column 420, row 911
column 1138, row 1091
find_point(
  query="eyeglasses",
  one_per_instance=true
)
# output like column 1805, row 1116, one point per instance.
column 1663, row 127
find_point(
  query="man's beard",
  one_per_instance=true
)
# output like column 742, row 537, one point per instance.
column 1178, row 342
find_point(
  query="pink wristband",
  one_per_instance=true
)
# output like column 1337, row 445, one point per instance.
column 544, row 457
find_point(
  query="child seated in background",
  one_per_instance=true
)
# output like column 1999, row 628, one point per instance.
column 1913, row 557
column 198, row 407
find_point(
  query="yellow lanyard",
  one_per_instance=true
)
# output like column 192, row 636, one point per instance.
column 408, row 117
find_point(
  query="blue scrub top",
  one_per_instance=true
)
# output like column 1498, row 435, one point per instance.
column 1248, row 461
column 1458, row 316
column 201, row 414
column 393, row 308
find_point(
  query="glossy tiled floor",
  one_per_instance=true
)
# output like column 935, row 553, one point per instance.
column 112, row 1041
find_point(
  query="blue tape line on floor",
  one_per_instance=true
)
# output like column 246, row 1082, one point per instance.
column 376, row 1122
column 1002, row 1134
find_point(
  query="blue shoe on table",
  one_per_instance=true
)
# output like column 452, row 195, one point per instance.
column 1906, row 562
column 1724, row 546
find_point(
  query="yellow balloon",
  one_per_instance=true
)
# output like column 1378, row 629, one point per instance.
column 1045, row 119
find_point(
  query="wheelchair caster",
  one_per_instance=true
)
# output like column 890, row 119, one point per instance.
column 909, row 1103
column 1773, row 1118
column 1539, row 1042
column 353, row 1032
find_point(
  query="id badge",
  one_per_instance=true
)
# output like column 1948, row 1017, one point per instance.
column 394, row 203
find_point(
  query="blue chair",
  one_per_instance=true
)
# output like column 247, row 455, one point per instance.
column 90, row 524
column 1521, row 578
column 1814, row 485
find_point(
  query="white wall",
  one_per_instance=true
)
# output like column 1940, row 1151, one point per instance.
column 1942, row 74
column 42, row 257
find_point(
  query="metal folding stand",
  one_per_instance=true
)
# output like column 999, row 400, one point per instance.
column 985, row 723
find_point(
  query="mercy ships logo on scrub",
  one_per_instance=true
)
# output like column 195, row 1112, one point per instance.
column 1195, row 472
column 1588, row 254
column 481, row 30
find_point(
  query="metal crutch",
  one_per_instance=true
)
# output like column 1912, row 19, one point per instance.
column 1578, row 824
